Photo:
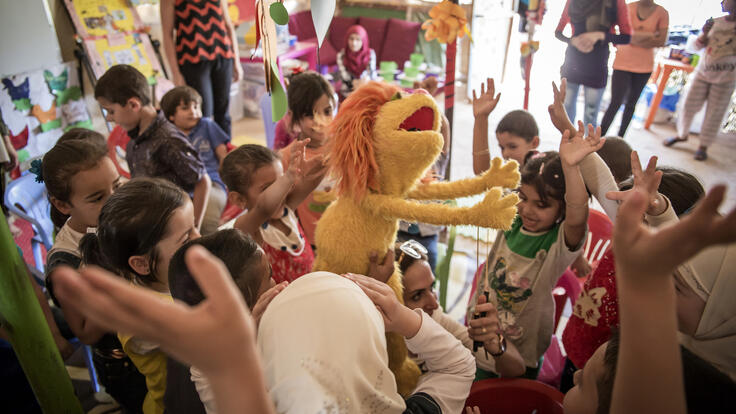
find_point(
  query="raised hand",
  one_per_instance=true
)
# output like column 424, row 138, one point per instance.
column 644, row 256
column 484, row 104
column 212, row 336
column 297, row 159
column 573, row 148
column 314, row 168
column 396, row 317
column 647, row 180
column 557, row 112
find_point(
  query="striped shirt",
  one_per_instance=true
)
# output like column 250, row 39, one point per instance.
column 201, row 34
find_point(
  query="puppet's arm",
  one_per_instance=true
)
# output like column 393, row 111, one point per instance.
column 494, row 211
column 499, row 175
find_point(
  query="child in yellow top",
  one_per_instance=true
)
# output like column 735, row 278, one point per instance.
column 139, row 229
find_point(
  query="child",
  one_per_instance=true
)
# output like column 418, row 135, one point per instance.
column 356, row 63
column 714, row 80
column 545, row 238
column 79, row 178
column 249, row 268
column 311, row 121
column 311, row 108
column 181, row 106
column 156, row 147
column 140, row 228
column 257, row 182
column 517, row 133
column 647, row 378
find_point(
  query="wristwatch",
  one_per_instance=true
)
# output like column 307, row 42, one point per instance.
column 502, row 346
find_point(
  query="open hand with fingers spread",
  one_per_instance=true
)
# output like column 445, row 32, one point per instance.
column 573, row 148
column 645, row 180
column 484, row 104
column 217, row 336
column 643, row 254
column 396, row 317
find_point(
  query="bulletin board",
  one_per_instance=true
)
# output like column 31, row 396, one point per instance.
column 38, row 106
column 112, row 33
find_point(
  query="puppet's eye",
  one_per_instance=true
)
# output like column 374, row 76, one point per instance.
column 396, row 96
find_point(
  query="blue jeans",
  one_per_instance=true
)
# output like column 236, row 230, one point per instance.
column 593, row 98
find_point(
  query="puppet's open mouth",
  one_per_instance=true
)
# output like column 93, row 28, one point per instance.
column 421, row 120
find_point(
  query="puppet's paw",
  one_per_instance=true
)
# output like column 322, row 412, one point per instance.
column 502, row 174
column 496, row 211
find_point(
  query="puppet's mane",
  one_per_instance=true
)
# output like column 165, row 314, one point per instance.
column 351, row 154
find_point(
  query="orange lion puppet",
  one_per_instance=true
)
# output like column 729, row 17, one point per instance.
column 382, row 142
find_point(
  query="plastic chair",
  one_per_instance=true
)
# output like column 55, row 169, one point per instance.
column 600, row 229
column 116, row 144
column 268, row 125
column 514, row 395
column 28, row 200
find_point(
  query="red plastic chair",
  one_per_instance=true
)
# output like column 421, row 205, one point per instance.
column 600, row 229
column 116, row 144
column 514, row 395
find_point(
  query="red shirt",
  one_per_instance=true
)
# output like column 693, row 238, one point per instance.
column 594, row 313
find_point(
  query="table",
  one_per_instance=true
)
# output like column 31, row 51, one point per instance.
column 660, row 76
column 306, row 50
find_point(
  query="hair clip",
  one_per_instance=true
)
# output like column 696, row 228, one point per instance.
column 37, row 169
column 541, row 168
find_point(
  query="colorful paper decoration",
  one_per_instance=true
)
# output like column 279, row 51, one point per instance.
column 447, row 23
column 278, row 13
column 19, row 94
column 56, row 83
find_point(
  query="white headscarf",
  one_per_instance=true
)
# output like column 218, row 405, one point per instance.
column 324, row 349
column 712, row 276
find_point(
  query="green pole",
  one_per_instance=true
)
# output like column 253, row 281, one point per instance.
column 29, row 334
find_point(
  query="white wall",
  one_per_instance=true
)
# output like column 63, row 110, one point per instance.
column 27, row 36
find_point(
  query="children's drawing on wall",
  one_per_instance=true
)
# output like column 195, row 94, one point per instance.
column 38, row 106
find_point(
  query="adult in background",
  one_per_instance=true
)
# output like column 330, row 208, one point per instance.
column 634, row 62
column 202, row 51
column 713, row 82
column 593, row 25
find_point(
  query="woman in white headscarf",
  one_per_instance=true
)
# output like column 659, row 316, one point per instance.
column 324, row 350
column 706, row 307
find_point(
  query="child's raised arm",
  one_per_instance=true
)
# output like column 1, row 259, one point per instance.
column 311, row 174
column 217, row 336
column 482, row 108
column 573, row 149
column 649, row 376
column 557, row 112
column 275, row 196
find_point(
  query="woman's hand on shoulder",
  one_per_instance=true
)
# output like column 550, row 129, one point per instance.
column 396, row 317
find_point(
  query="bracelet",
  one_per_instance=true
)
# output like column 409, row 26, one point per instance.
column 484, row 152
column 581, row 205
column 501, row 345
